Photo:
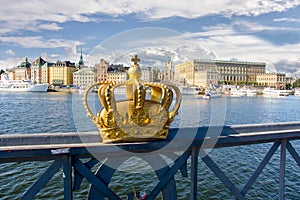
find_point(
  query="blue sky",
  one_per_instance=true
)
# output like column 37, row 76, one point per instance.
column 247, row 30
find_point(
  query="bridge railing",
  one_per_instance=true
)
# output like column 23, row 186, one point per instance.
column 70, row 150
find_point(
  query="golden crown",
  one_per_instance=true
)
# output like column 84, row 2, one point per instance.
column 138, row 117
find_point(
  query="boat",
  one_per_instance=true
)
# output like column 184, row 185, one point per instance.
column 249, row 92
column 189, row 90
column 237, row 93
column 297, row 92
column 211, row 94
column 275, row 93
column 7, row 85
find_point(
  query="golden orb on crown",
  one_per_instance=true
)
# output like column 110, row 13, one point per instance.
column 139, row 116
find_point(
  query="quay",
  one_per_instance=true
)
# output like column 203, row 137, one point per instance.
column 69, row 154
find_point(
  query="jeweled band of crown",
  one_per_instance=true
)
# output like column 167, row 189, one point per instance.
column 138, row 117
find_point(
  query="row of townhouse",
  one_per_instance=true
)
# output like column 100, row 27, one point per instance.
column 41, row 71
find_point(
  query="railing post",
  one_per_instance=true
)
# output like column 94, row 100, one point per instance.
column 282, row 168
column 67, row 175
column 194, row 171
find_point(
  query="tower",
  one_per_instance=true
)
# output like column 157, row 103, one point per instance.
column 80, row 62
column 168, row 74
column 169, row 64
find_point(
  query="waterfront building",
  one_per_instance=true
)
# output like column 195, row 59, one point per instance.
column 36, row 70
column 274, row 80
column 22, row 72
column 61, row 73
column 117, row 72
column 83, row 77
column 101, row 70
column 45, row 76
column 167, row 75
column 117, row 76
column 254, row 68
column 203, row 73
column 147, row 74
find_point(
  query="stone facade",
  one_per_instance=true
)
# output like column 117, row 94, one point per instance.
column 83, row 77
column 61, row 73
column 36, row 70
column 274, row 80
column 203, row 73
column 101, row 71
column 22, row 72
column 147, row 74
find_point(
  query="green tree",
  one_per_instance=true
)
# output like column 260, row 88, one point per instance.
column 296, row 83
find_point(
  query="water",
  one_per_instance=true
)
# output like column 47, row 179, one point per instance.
column 54, row 112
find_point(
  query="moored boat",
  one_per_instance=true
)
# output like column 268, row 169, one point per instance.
column 237, row 93
column 189, row 90
column 275, row 93
column 211, row 94
column 249, row 92
column 21, row 85
column 297, row 92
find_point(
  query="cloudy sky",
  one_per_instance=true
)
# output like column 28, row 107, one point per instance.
column 246, row 30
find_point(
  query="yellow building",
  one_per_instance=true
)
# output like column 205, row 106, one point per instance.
column 275, row 80
column 22, row 72
column 45, row 75
column 61, row 73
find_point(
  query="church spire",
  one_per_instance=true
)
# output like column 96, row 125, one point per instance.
column 80, row 62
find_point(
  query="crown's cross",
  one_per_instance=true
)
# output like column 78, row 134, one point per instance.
column 135, row 59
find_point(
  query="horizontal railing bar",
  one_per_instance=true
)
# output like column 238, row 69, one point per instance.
column 48, row 138
column 49, row 146
column 223, row 141
column 91, row 137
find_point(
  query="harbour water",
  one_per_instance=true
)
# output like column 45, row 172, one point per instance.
column 56, row 112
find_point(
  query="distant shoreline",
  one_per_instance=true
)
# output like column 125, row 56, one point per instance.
column 65, row 90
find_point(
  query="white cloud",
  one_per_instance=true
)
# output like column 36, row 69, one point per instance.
column 71, row 51
column 297, row 20
column 50, row 26
column 54, row 55
column 38, row 42
column 11, row 62
column 241, row 27
column 227, row 44
column 26, row 14
column 10, row 52
column 251, row 27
